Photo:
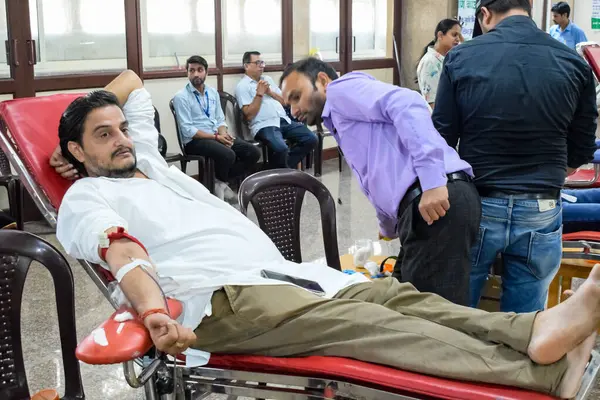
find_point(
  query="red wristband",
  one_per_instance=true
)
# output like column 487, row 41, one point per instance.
column 216, row 135
column 153, row 311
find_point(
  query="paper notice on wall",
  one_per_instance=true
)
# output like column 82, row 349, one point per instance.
column 466, row 16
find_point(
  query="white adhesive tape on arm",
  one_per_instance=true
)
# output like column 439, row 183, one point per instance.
column 125, row 269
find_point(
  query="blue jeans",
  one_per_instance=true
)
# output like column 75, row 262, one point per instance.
column 302, row 142
column 530, row 242
column 583, row 215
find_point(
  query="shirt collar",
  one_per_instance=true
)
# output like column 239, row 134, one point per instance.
column 514, row 20
column 326, row 110
column 247, row 78
column 190, row 88
column 431, row 50
column 568, row 27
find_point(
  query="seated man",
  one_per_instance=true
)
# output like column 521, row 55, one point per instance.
column 262, row 105
column 223, row 269
column 204, row 131
column 581, row 210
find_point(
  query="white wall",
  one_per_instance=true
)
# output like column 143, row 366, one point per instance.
column 582, row 16
column 538, row 13
column 383, row 74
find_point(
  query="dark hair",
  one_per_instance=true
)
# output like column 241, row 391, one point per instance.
column 503, row 6
column 310, row 67
column 248, row 56
column 443, row 26
column 196, row 60
column 561, row 8
column 71, row 125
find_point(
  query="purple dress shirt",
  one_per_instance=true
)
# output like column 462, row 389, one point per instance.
column 388, row 139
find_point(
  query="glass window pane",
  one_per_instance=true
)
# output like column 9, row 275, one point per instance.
column 4, row 68
column 251, row 25
column 175, row 30
column 372, row 25
column 95, row 15
column 317, row 29
column 78, row 36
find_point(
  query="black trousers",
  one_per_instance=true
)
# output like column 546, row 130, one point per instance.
column 230, row 162
column 436, row 258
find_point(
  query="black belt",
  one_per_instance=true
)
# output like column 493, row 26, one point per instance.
column 415, row 190
column 545, row 195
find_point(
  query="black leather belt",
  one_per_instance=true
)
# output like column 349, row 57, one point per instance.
column 545, row 195
column 415, row 190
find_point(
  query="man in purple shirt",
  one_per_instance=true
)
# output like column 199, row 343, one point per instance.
column 419, row 186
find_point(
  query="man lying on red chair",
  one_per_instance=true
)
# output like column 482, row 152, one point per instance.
column 228, row 273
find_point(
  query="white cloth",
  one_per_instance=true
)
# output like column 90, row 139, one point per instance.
column 197, row 240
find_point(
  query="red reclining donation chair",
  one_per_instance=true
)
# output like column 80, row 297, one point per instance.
column 28, row 137
column 585, row 177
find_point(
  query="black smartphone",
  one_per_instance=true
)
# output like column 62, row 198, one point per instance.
column 303, row 283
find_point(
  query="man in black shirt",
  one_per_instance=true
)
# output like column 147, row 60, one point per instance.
column 523, row 106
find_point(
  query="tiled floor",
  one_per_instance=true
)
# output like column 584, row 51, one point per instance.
column 356, row 220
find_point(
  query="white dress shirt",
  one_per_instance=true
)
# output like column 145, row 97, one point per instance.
column 270, row 112
column 192, row 237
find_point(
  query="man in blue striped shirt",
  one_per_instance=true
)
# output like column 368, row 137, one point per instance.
column 204, row 130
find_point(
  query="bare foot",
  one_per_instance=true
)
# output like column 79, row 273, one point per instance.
column 577, row 360
column 562, row 328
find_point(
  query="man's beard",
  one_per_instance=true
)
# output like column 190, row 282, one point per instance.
column 122, row 172
column 198, row 82
column 313, row 116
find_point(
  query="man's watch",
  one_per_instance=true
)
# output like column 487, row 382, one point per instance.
column 105, row 240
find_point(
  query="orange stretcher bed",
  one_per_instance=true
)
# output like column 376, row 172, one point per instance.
column 28, row 137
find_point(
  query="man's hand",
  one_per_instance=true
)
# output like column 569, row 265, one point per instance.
column 62, row 166
column 434, row 204
column 225, row 139
column 226, row 134
column 262, row 88
column 168, row 335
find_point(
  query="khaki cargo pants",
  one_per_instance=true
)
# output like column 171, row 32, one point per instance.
column 384, row 322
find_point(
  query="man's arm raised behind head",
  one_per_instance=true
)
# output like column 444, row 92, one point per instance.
column 124, row 84
column 139, row 112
